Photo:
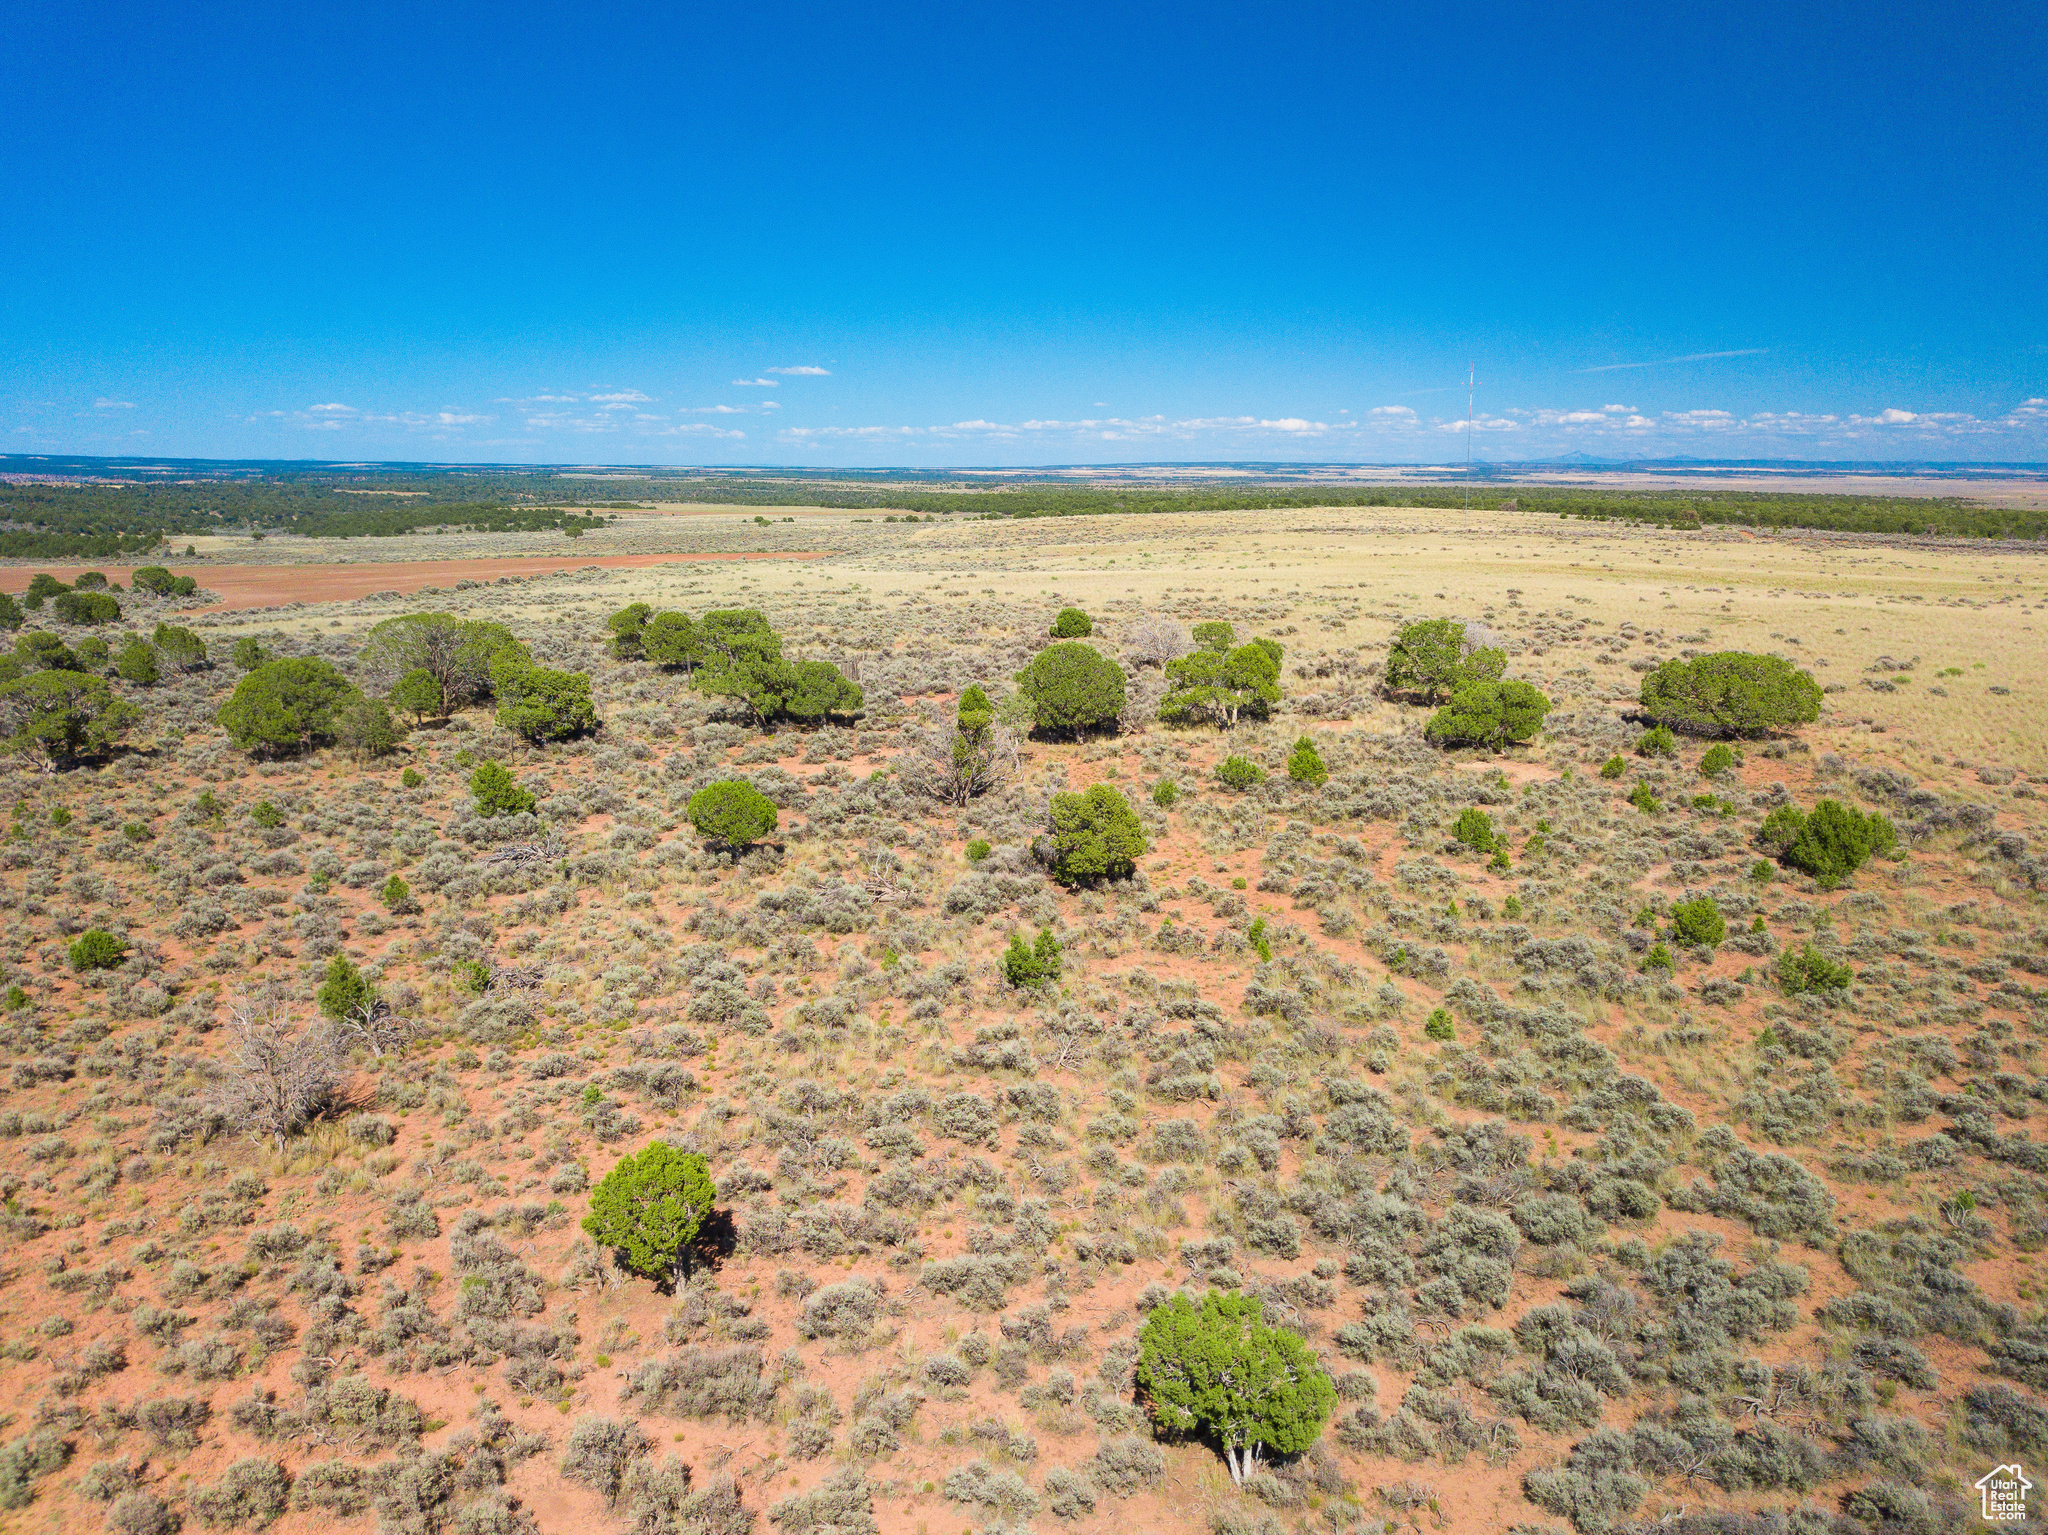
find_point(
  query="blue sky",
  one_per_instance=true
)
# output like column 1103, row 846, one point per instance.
column 893, row 234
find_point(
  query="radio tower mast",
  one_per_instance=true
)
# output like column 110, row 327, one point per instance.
column 1471, row 394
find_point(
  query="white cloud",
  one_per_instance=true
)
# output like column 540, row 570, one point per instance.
column 696, row 429
column 113, row 405
column 757, row 383
column 621, row 397
column 806, row 371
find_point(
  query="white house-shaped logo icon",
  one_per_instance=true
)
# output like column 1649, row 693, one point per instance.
column 2004, row 1490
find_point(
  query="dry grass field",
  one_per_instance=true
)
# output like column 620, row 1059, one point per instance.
column 1584, row 1240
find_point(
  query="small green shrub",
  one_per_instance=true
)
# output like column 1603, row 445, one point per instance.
column 540, row 703
column 411, row 778
column 978, row 849
column 1657, row 741
column 1215, row 635
column 345, row 991
column 1719, row 758
column 248, row 654
column 1807, row 969
column 1698, row 921
column 1094, row 835
column 1072, row 624
column 1645, row 801
column 138, row 663
column 1492, row 714
column 1440, row 1026
column 1305, row 764
column 1166, row 794
column 1659, row 957
column 1240, row 773
column 397, row 895
column 364, row 729
column 181, row 648
column 40, row 588
column 732, row 812
column 497, row 793
column 417, row 693
column 1034, row 964
column 1830, row 843
column 87, row 608
column 97, row 949
column 1613, row 767
column 155, row 578
column 1475, row 830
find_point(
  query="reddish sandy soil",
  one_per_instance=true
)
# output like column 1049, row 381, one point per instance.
column 265, row 586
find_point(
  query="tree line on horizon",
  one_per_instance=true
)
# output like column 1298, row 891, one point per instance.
column 101, row 521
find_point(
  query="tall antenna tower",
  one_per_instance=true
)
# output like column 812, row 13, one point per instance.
column 1471, row 395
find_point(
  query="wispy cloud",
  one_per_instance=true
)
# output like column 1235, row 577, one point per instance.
column 622, row 397
column 113, row 405
column 1659, row 362
column 805, row 371
column 333, row 416
column 757, row 383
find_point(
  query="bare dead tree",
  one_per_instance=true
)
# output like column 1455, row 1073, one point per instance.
column 373, row 1027
column 524, row 854
column 281, row 1072
column 1155, row 641
column 958, row 765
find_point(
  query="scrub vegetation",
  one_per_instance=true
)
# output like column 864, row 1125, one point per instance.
column 1517, row 1035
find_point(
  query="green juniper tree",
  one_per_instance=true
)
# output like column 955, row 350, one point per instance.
column 1219, row 1370
column 651, row 1208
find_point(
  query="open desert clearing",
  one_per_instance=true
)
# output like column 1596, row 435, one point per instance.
column 236, row 586
column 1585, row 1223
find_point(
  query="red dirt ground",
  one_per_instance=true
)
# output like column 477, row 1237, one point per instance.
column 266, row 586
